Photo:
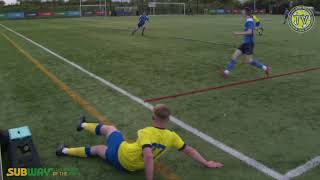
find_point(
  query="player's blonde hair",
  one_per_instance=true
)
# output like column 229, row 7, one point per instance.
column 161, row 112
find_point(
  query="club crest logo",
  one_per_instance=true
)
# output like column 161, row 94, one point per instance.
column 301, row 19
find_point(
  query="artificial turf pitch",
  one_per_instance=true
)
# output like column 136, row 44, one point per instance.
column 273, row 121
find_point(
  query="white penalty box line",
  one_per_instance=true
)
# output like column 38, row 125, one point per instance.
column 251, row 162
column 303, row 168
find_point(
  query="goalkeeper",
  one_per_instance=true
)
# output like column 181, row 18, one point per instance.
column 152, row 142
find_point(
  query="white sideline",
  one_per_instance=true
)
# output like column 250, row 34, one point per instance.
column 259, row 166
column 1, row 168
column 303, row 168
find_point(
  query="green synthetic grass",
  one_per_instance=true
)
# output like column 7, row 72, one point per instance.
column 274, row 122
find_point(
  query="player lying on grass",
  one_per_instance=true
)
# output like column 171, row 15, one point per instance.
column 258, row 25
column 141, row 24
column 246, row 48
column 152, row 142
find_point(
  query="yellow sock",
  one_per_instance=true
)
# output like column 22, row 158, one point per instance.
column 94, row 128
column 78, row 152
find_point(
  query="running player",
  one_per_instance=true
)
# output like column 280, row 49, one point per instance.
column 258, row 25
column 141, row 24
column 246, row 48
column 286, row 15
column 152, row 143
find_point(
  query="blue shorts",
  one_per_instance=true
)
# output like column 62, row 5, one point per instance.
column 113, row 143
column 246, row 48
column 258, row 24
column 140, row 25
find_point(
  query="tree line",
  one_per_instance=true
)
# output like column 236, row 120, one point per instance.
column 274, row 6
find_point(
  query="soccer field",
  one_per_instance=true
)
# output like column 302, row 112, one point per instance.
column 273, row 121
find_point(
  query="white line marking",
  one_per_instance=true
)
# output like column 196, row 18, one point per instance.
column 259, row 166
column 303, row 168
column 1, row 169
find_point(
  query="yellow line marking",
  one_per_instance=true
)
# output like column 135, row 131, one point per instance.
column 165, row 172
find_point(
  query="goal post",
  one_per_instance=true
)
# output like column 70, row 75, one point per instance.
column 161, row 8
column 99, row 9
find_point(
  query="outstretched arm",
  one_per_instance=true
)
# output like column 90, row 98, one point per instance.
column 248, row 32
column 194, row 154
column 148, row 162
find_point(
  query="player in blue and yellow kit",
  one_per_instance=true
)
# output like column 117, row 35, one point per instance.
column 246, row 48
column 258, row 25
column 152, row 142
column 141, row 24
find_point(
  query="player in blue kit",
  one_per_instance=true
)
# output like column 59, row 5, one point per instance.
column 286, row 15
column 246, row 48
column 141, row 24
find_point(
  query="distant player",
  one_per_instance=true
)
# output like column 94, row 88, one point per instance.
column 286, row 15
column 141, row 24
column 258, row 25
column 246, row 48
column 152, row 142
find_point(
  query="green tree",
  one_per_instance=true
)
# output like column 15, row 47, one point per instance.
column 314, row 3
column 2, row 3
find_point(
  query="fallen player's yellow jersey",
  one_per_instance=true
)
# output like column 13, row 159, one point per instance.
column 256, row 19
column 160, row 140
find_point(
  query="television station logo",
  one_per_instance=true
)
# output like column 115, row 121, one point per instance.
column 301, row 19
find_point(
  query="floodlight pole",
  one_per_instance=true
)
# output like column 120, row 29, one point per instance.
column 197, row 6
column 80, row 8
column 105, row 7
column 254, row 6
